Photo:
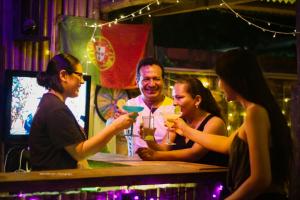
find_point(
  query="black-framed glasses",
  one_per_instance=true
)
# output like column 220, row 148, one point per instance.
column 79, row 74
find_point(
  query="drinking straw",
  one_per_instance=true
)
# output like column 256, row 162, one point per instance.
column 150, row 117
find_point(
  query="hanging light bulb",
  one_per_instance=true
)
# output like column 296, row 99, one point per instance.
column 274, row 36
column 157, row 2
column 148, row 8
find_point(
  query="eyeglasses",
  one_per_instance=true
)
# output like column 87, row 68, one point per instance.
column 78, row 74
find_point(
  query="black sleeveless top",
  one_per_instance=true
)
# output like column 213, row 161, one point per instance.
column 239, row 163
column 211, row 158
column 239, row 169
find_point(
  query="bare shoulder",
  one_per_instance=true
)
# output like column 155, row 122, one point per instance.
column 256, row 112
column 216, row 120
column 257, row 119
column 216, row 125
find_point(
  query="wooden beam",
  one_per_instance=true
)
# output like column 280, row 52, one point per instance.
column 264, row 9
column 192, row 6
column 172, row 6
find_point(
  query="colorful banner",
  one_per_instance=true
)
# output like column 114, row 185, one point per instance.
column 110, row 54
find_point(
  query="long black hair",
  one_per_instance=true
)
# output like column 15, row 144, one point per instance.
column 240, row 70
column 194, row 88
column 50, row 78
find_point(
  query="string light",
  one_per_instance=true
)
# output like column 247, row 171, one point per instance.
column 257, row 26
column 146, row 10
column 143, row 11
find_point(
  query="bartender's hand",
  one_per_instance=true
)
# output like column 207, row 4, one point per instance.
column 124, row 121
column 146, row 153
column 119, row 112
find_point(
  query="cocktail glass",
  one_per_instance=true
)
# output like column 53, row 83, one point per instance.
column 169, row 119
column 132, row 109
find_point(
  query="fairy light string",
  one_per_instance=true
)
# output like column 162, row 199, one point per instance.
column 264, row 29
column 147, row 10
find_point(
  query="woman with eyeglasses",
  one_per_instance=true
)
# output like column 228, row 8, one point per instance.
column 56, row 140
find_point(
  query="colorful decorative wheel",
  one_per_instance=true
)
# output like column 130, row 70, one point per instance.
column 106, row 101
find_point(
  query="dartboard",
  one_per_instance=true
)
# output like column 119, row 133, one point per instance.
column 106, row 101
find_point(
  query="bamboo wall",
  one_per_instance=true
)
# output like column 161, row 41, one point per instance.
column 34, row 54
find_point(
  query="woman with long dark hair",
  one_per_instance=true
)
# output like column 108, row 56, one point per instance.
column 260, row 150
column 200, row 110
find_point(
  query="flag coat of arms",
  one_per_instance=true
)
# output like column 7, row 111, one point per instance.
column 112, row 52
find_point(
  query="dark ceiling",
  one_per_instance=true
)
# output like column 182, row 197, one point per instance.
column 205, row 25
column 220, row 29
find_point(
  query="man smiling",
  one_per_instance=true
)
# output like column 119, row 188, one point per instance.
column 149, row 78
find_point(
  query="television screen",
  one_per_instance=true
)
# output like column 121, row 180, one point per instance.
column 23, row 97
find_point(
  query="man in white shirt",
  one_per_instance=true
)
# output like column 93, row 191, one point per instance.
column 149, row 78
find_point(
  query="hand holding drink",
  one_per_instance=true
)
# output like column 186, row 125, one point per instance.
column 147, row 128
column 169, row 119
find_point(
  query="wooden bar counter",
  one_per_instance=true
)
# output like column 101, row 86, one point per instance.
column 118, row 170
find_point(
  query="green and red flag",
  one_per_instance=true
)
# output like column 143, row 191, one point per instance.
column 110, row 54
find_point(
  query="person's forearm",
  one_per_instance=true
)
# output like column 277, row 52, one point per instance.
column 212, row 142
column 250, row 189
column 178, row 155
column 157, row 147
column 97, row 142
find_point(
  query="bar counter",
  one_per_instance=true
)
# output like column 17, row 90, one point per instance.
column 118, row 170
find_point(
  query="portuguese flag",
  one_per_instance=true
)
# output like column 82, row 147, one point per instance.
column 109, row 54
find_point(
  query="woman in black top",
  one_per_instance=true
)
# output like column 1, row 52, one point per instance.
column 261, row 149
column 199, row 109
column 56, row 140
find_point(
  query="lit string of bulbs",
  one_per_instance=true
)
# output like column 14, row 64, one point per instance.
column 138, row 13
column 141, row 12
column 257, row 26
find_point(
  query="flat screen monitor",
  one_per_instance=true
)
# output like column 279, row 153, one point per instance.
column 22, row 97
